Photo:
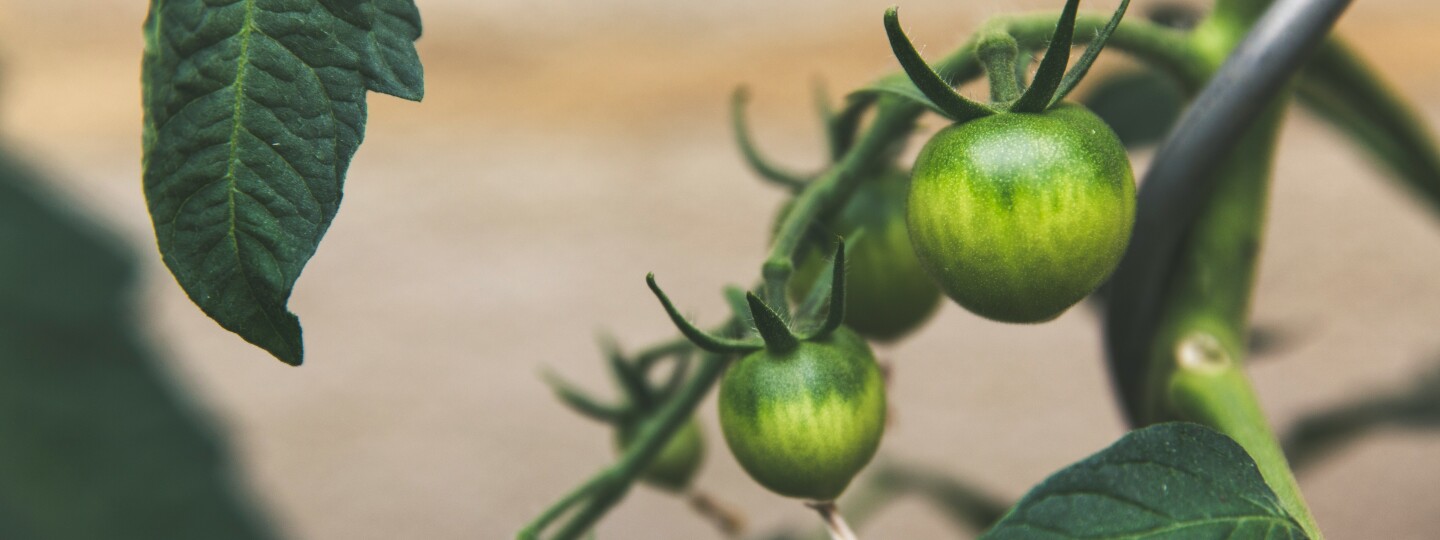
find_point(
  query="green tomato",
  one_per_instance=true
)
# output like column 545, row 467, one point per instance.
column 678, row 461
column 1019, row 216
column 804, row 422
column 887, row 293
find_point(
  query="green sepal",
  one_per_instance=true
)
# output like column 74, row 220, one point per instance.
column 697, row 336
column 941, row 96
column 899, row 85
column 840, row 126
column 631, row 380
column 772, row 328
column 676, row 379
column 573, row 397
column 753, row 158
column 735, row 298
column 1052, row 67
column 835, row 315
column 1082, row 66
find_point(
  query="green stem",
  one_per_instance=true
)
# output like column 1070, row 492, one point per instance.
column 894, row 120
column 1210, row 388
column 610, row 485
column 998, row 52
column 1191, row 367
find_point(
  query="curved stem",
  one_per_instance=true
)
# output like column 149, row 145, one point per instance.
column 761, row 166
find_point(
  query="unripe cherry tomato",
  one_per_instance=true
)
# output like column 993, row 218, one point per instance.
column 888, row 294
column 804, row 422
column 1019, row 216
column 678, row 461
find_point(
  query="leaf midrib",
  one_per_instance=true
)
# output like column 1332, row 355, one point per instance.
column 242, row 67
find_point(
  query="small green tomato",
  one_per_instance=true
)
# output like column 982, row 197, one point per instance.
column 805, row 421
column 678, row 461
column 888, row 294
column 1018, row 216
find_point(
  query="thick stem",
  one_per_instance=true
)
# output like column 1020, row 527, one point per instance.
column 1208, row 387
column 998, row 52
column 893, row 121
column 834, row 522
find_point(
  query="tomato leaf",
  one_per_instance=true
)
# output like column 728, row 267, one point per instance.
column 99, row 443
column 253, row 110
column 1165, row 481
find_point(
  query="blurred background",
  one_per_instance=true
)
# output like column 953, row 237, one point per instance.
column 563, row 150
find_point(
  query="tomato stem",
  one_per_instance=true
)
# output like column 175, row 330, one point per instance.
column 998, row 52
column 834, row 522
column 757, row 162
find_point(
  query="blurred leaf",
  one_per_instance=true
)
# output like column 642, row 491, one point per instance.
column 97, row 442
column 252, row 113
column 1164, row 481
column 1140, row 105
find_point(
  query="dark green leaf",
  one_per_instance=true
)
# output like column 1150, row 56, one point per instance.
column 98, row 443
column 253, row 109
column 1166, row 481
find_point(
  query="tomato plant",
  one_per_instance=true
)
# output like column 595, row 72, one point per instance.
column 1018, row 210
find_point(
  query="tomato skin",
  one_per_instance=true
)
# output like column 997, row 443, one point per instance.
column 887, row 292
column 678, row 461
column 1020, row 216
column 803, row 423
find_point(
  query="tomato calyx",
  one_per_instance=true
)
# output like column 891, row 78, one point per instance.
column 775, row 333
column 1051, row 83
column 681, row 457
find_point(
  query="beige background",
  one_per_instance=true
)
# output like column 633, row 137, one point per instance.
column 566, row 148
